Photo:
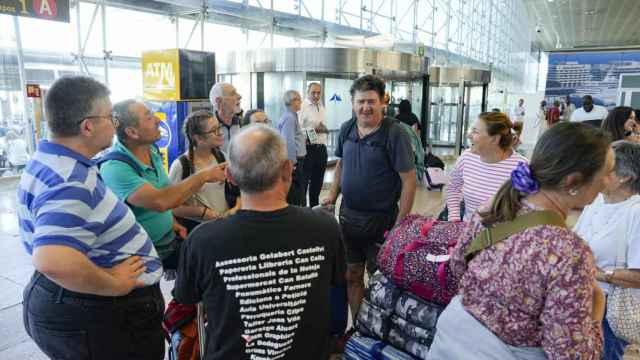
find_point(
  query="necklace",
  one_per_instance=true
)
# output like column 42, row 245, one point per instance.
column 362, row 133
column 556, row 207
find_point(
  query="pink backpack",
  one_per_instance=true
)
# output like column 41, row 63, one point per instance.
column 415, row 256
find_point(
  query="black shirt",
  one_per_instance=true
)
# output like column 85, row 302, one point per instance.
column 264, row 279
column 409, row 119
column 370, row 179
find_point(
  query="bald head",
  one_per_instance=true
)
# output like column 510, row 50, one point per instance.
column 256, row 156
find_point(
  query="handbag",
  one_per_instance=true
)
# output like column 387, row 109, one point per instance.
column 623, row 305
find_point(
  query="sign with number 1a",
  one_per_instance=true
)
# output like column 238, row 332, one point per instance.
column 57, row 10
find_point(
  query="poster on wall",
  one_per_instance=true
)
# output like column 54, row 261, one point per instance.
column 595, row 73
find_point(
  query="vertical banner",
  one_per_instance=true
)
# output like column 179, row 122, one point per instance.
column 167, row 112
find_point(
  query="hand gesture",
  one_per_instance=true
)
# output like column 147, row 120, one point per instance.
column 125, row 275
column 215, row 173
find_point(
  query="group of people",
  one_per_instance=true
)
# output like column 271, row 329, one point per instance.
column 224, row 220
column 103, row 231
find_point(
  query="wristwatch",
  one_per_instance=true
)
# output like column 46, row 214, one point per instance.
column 608, row 274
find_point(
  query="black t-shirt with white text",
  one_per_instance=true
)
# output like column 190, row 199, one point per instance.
column 264, row 279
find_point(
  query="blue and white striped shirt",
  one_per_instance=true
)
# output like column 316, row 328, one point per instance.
column 62, row 200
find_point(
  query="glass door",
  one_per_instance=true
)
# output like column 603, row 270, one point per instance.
column 443, row 116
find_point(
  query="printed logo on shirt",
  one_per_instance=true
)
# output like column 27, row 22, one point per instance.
column 272, row 290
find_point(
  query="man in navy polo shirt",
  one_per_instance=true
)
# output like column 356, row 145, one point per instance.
column 95, row 291
column 376, row 170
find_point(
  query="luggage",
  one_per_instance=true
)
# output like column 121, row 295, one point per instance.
column 360, row 347
column 415, row 257
column 184, row 326
column 417, row 311
column 373, row 321
column 434, row 172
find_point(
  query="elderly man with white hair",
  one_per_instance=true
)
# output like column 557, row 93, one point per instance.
column 225, row 102
column 264, row 283
column 295, row 139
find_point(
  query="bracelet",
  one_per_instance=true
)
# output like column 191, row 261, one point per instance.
column 204, row 212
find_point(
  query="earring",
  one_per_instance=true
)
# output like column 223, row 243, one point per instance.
column 573, row 192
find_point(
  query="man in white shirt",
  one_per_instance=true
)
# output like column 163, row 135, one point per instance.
column 589, row 113
column 312, row 121
column 519, row 111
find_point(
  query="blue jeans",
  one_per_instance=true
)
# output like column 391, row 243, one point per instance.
column 613, row 347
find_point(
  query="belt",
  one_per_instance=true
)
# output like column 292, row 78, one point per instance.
column 300, row 158
column 60, row 292
column 315, row 145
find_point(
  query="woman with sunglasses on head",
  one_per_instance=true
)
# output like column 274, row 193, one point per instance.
column 213, row 200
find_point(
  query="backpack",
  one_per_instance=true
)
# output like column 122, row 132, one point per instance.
column 231, row 192
column 434, row 173
column 415, row 257
column 183, row 330
column 120, row 156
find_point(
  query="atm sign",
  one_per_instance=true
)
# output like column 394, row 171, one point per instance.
column 57, row 10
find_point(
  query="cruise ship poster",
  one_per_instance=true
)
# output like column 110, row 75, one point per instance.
column 589, row 73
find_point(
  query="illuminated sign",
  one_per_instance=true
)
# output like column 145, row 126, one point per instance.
column 33, row 91
column 57, row 10
column 161, row 75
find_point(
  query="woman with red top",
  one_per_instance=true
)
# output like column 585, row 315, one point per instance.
column 533, row 295
column 553, row 115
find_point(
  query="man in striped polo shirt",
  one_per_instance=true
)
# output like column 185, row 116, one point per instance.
column 95, row 292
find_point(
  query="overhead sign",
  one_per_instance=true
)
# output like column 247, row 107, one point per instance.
column 33, row 91
column 161, row 75
column 57, row 10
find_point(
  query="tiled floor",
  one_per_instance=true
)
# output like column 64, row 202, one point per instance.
column 16, row 268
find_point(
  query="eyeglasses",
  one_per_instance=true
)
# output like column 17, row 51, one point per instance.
column 215, row 130
column 111, row 117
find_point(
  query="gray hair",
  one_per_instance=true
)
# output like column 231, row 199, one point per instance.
column 256, row 156
column 122, row 112
column 311, row 84
column 628, row 163
column 71, row 99
column 289, row 95
column 217, row 91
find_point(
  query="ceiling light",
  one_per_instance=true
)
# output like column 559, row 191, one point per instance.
column 590, row 12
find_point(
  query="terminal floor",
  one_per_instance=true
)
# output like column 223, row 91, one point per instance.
column 16, row 269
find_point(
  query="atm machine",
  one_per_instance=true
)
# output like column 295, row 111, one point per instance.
column 176, row 82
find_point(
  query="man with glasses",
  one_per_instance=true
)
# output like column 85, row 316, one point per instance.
column 141, row 181
column 94, row 293
column 225, row 102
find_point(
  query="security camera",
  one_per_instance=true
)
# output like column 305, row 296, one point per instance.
column 538, row 29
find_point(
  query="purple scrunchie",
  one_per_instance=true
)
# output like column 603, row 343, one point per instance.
column 523, row 181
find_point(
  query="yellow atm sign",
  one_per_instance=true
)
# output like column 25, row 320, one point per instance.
column 161, row 75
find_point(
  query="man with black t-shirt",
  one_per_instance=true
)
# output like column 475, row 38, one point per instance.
column 265, row 273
